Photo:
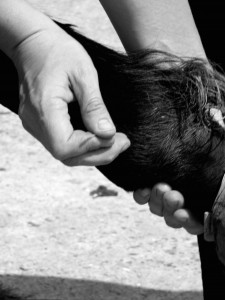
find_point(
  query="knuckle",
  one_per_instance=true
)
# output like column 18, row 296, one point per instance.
column 93, row 105
column 86, row 144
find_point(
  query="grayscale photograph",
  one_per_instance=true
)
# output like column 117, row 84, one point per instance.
column 112, row 146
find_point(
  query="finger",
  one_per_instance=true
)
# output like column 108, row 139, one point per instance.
column 141, row 196
column 188, row 222
column 93, row 110
column 156, row 198
column 172, row 200
column 101, row 156
column 172, row 222
column 61, row 139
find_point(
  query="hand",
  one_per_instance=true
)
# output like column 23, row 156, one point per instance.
column 54, row 69
column 168, row 203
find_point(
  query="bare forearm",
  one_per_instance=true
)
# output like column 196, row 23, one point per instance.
column 18, row 20
column 164, row 24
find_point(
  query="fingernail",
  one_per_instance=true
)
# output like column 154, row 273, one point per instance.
column 105, row 124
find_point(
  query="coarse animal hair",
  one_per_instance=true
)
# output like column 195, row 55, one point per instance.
column 163, row 103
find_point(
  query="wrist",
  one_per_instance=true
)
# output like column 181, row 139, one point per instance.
column 186, row 49
column 166, row 25
column 19, row 21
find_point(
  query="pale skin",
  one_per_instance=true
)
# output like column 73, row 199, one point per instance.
column 165, row 25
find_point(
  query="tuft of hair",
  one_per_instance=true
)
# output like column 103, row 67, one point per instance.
column 172, row 110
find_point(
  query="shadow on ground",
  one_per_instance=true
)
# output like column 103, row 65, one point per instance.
column 53, row 288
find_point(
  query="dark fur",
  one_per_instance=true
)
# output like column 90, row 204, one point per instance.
column 162, row 103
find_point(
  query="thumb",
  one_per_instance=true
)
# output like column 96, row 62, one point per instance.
column 93, row 110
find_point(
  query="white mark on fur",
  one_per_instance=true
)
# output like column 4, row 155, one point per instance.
column 217, row 116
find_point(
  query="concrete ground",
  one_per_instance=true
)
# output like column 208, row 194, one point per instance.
column 58, row 241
